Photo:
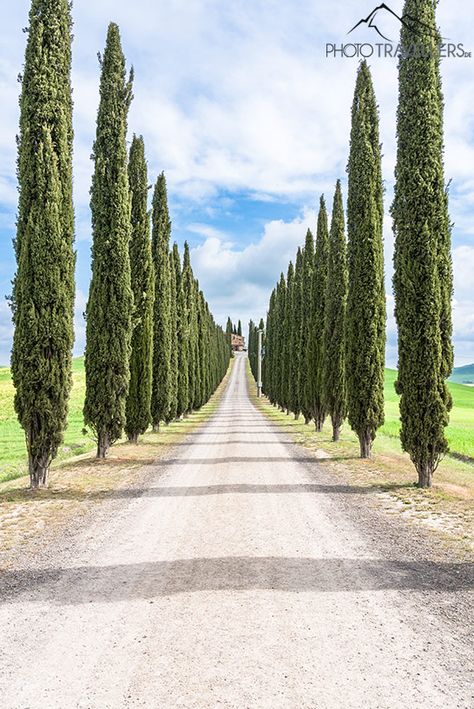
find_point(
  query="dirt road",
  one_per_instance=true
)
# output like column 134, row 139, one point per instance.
column 239, row 576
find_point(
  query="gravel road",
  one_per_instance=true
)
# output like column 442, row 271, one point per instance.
column 240, row 575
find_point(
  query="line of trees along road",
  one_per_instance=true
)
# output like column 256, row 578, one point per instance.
column 326, row 320
column 153, row 350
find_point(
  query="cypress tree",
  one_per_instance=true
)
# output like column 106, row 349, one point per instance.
column 261, row 326
column 365, row 345
column 110, row 304
column 174, row 344
column 334, row 385
column 43, row 289
column 280, row 339
column 422, row 259
column 191, row 324
column 183, row 374
column 250, row 346
column 228, row 331
column 287, row 384
column 295, row 337
column 138, row 414
column 161, row 232
column 306, row 303
column 198, row 353
column 239, row 329
column 270, row 365
column 315, row 352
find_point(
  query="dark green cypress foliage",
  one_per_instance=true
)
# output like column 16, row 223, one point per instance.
column 334, row 385
column 295, row 337
column 250, row 347
column 315, row 352
column 110, row 305
column 228, row 331
column 365, row 323
column 183, row 373
column 174, row 360
column 239, row 329
column 288, row 354
column 306, row 307
column 139, row 394
column 270, row 365
column 280, row 339
column 191, row 324
column 43, row 292
column 161, row 232
column 199, row 352
column 423, row 273
column 261, row 326
column 43, row 289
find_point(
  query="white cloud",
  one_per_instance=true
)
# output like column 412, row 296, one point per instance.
column 238, row 97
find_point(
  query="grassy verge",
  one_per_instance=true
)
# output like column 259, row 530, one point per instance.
column 12, row 439
column 448, row 507
column 81, row 481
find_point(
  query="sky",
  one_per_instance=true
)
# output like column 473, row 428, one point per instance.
column 240, row 106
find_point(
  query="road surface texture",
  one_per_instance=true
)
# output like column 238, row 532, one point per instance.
column 241, row 575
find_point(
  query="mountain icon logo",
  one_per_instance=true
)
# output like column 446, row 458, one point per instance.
column 379, row 16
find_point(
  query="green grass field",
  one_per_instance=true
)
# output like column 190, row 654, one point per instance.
column 12, row 444
column 460, row 432
column 12, row 440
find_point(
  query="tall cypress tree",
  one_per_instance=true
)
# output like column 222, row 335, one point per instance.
column 280, row 336
column 161, row 232
column 334, row 384
column 174, row 344
column 365, row 345
column 423, row 272
column 295, row 337
column 191, row 324
column 306, row 303
column 239, row 329
column 110, row 304
column 315, row 351
column 138, row 415
column 43, row 289
column 228, row 332
column 268, row 371
column 288, row 354
column 182, row 333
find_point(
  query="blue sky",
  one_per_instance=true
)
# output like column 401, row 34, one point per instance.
column 239, row 105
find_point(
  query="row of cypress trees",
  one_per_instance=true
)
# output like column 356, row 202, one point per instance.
column 325, row 339
column 325, row 335
column 252, row 346
column 153, row 350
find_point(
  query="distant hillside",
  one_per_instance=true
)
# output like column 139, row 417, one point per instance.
column 463, row 375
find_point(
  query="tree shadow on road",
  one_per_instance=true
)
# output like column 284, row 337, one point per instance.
column 147, row 580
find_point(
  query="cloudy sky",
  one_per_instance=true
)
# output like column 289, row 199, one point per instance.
column 239, row 105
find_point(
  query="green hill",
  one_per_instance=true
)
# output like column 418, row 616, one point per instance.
column 463, row 375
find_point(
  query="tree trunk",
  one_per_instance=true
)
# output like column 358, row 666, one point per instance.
column 39, row 470
column 365, row 441
column 307, row 419
column 103, row 445
column 425, row 475
column 319, row 417
column 297, row 416
column 133, row 438
column 156, row 427
column 336, row 429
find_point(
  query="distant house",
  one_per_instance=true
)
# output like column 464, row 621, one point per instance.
column 238, row 343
